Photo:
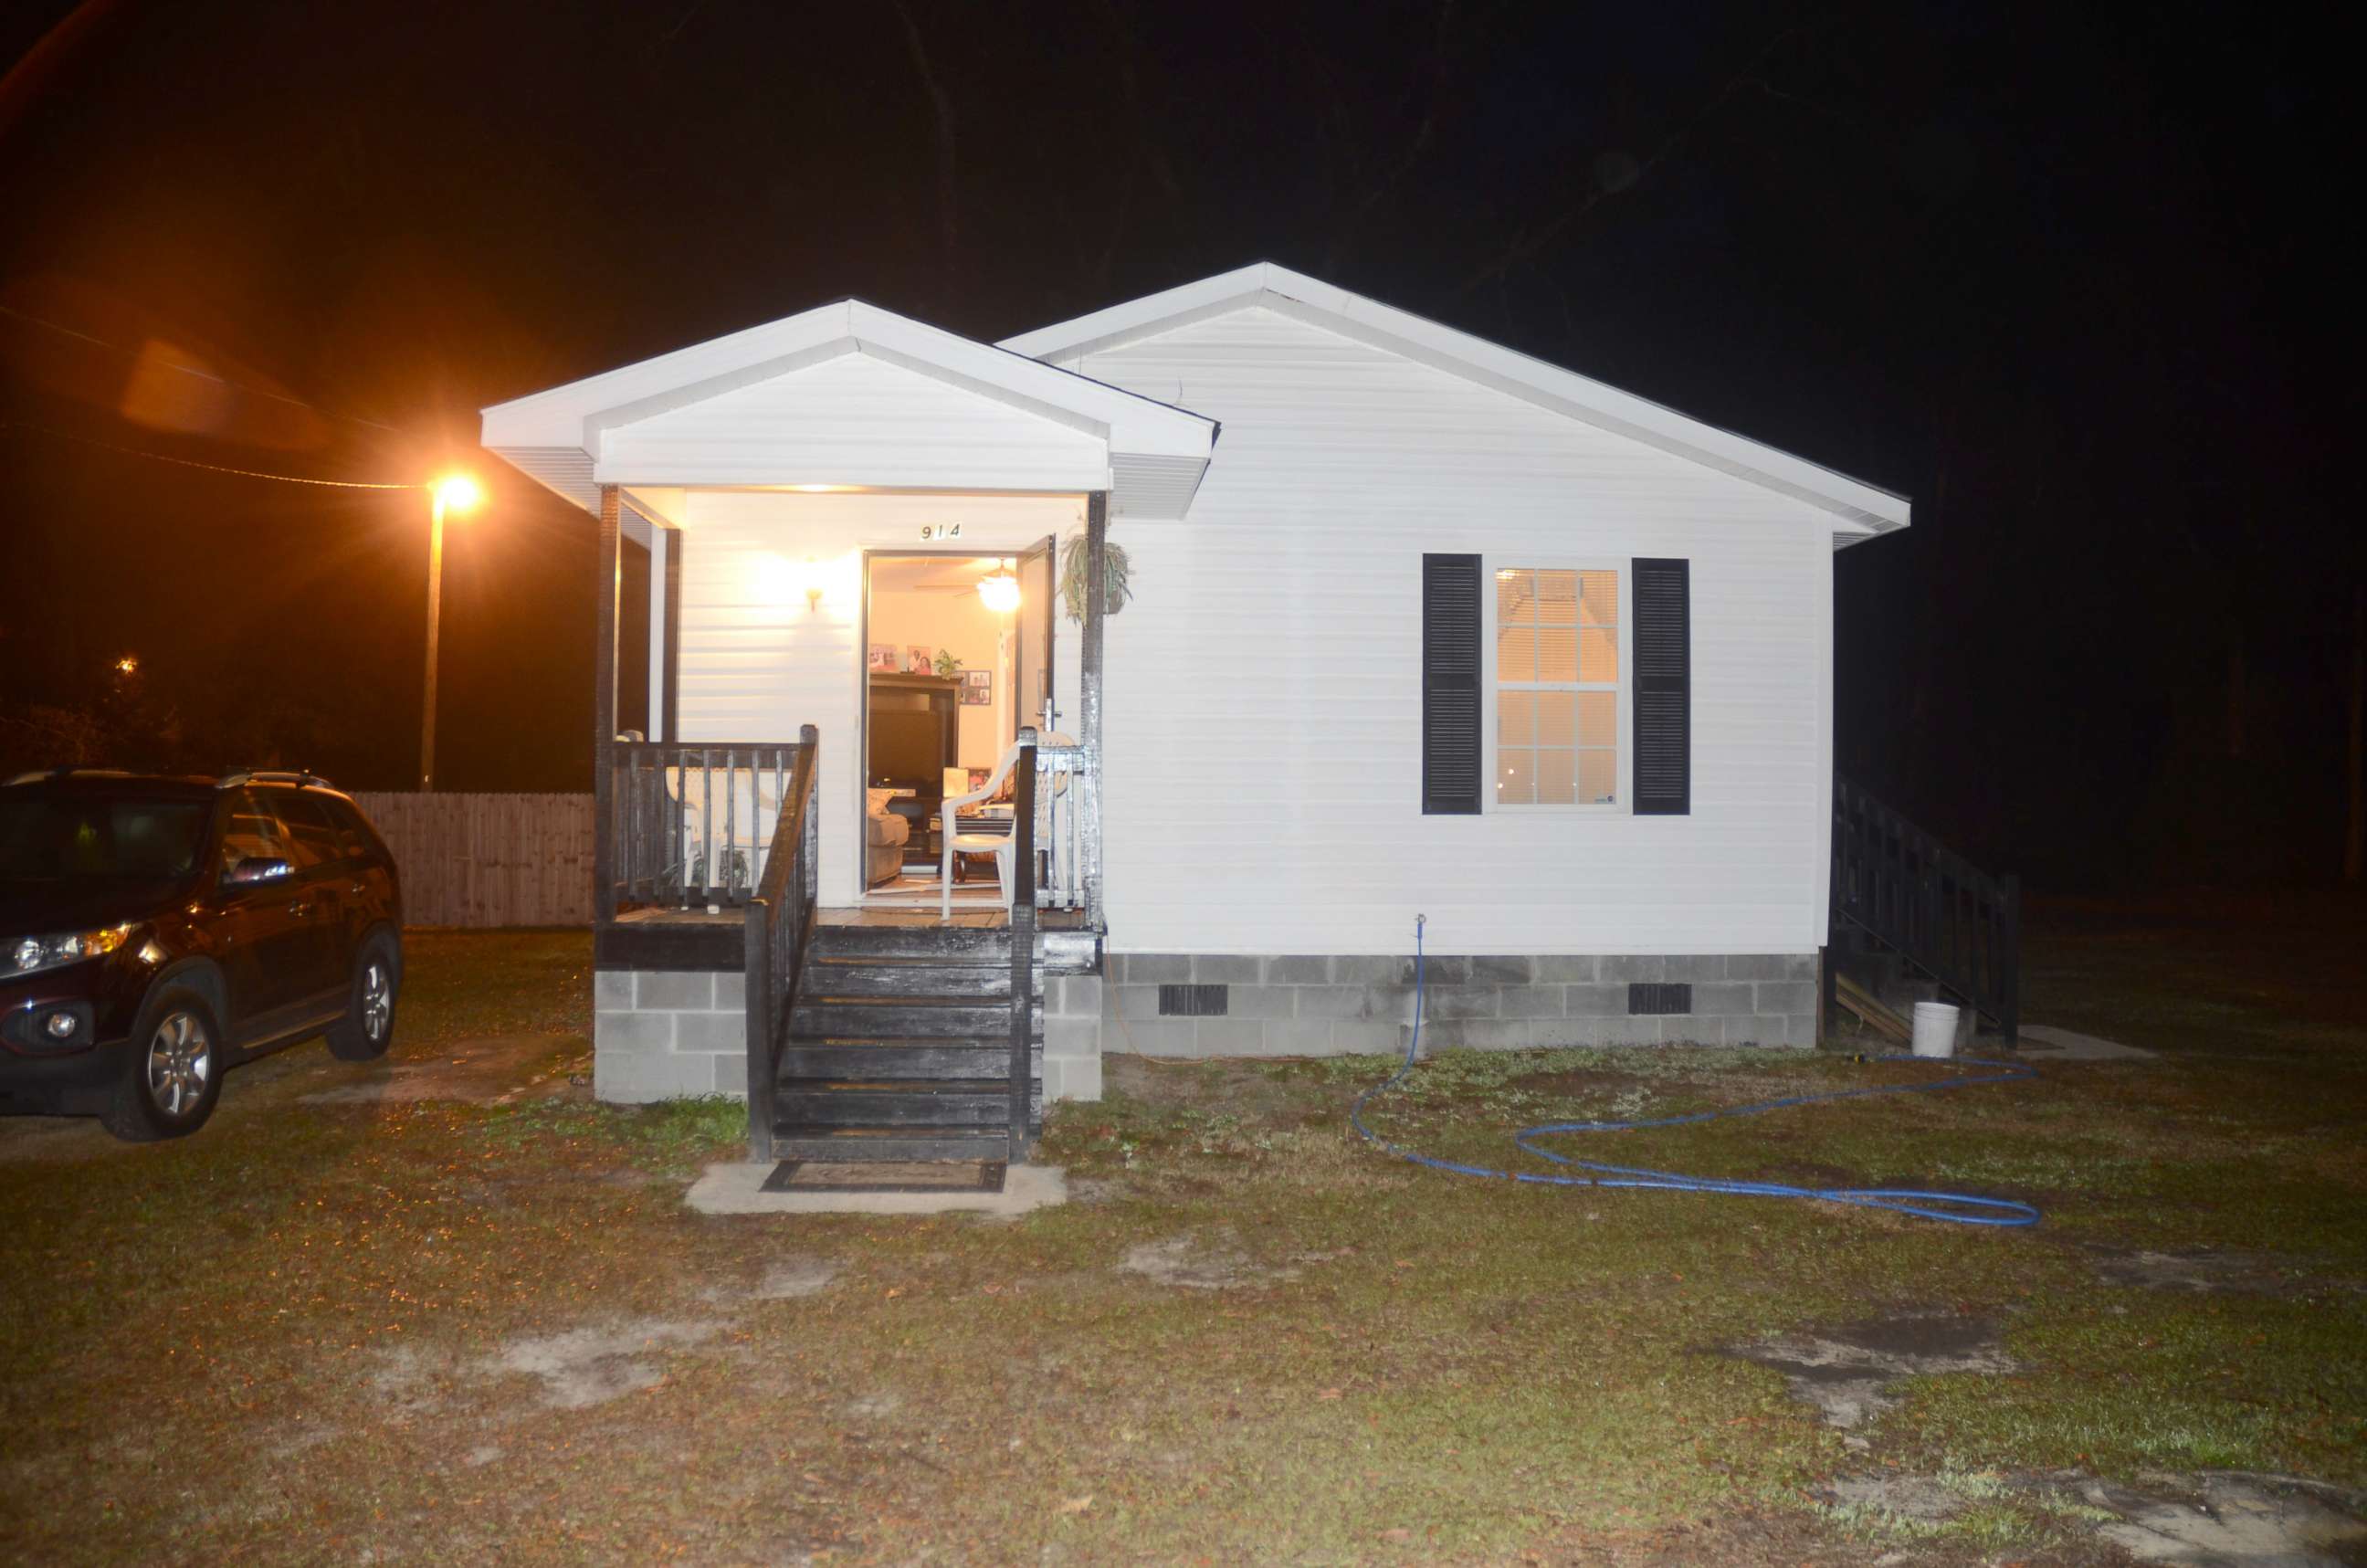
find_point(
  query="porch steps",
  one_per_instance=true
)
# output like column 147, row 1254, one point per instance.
column 899, row 1048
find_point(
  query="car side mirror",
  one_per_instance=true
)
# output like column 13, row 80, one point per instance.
column 252, row 869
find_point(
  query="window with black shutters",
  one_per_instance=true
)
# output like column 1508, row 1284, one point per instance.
column 1553, row 692
column 1664, row 698
column 1451, row 665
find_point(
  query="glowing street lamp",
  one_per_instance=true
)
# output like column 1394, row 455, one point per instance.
column 459, row 494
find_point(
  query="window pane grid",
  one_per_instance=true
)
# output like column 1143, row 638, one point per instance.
column 1557, row 683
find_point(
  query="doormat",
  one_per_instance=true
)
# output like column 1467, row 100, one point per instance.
column 886, row 1176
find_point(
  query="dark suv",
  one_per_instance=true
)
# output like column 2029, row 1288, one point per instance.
column 155, row 932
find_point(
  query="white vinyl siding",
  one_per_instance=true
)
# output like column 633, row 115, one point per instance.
column 1263, row 729
column 757, row 663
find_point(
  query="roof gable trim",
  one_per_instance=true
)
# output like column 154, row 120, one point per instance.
column 1858, row 510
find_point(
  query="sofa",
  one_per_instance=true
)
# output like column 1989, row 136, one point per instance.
column 884, row 834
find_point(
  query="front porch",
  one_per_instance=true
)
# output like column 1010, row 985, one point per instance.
column 854, row 1032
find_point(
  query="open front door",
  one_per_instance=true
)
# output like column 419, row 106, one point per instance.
column 1038, row 584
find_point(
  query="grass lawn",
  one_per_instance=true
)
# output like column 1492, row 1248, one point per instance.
column 425, row 1330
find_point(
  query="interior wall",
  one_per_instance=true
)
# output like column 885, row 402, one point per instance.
column 975, row 634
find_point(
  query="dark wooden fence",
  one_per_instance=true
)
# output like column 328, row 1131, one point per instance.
column 484, row 859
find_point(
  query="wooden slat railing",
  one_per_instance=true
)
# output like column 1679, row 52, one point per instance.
column 690, row 823
column 1022, row 936
column 1899, row 885
column 1068, row 825
column 780, row 916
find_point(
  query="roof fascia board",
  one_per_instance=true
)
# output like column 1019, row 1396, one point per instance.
column 1163, row 312
column 1129, row 421
column 1862, row 506
column 1607, row 408
column 672, row 399
column 577, row 412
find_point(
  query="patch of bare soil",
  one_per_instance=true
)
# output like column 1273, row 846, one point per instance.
column 796, row 1278
column 576, row 1368
column 1215, row 1263
column 2230, row 1521
column 1846, row 1372
column 2201, row 1273
column 589, row 1366
column 495, row 1070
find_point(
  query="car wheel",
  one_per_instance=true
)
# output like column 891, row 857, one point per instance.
column 173, row 1074
column 368, row 1027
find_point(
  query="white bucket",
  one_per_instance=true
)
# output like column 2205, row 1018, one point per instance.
column 1935, row 1029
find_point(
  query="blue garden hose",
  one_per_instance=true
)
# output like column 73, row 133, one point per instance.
column 1964, row 1208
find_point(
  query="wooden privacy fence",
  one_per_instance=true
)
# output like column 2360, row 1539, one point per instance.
column 489, row 859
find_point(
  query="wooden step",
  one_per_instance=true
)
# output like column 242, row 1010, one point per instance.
column 872, row 976
column 922, row 1102
column 1869, row 1010
column 875, row 1060
column 820, row 1016
column 865, row 1143
column 944, row 944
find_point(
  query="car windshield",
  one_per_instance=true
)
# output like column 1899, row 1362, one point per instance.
column 121, row 838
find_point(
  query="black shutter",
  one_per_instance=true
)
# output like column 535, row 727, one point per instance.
column 1664, row 697
column 1450, row 685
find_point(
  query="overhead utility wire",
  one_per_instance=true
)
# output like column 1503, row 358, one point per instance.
column 210, row 468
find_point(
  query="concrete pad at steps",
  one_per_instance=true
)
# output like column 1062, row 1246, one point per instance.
column 737, row 1187
column 2052, row 1044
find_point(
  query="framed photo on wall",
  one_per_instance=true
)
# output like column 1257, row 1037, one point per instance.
column 978, row 688
column 881, row 659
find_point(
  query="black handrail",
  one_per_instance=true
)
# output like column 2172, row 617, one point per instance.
column 1023, row 937
column 780, row 923
column 1901, row 886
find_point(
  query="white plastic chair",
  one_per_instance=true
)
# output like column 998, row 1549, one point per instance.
column 1002, row 846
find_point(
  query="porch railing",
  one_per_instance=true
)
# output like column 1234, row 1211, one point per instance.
column 1023, row 824
column 1067, row 822
column 1896, row 883
column 780, row 923
column 691, row 823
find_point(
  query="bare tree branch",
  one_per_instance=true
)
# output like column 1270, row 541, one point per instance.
column 948, row 212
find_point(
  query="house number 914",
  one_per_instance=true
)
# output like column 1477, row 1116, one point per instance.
column 939, row 530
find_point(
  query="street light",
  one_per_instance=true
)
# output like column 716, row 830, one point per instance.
column 455, row 493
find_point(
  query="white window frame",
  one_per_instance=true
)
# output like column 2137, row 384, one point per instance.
column 1623, row 764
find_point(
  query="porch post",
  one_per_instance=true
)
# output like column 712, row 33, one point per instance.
column 1089, row 692
column 608, row 587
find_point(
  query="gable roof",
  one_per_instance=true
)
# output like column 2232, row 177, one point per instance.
column 1858, row 510
column 1154, row 453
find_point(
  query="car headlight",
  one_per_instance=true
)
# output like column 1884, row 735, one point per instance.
column 28, row 955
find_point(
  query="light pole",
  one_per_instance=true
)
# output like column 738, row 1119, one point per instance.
column 457, row 493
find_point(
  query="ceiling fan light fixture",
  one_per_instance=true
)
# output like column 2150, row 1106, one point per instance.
column 1000, row 589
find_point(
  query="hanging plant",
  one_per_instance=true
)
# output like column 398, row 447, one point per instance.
column 1115, row 592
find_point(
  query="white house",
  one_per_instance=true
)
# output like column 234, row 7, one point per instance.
column 1415, row 626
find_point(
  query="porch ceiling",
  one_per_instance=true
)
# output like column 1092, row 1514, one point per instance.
column 853, row 396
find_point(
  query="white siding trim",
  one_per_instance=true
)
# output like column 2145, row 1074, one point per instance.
column 1858, row 509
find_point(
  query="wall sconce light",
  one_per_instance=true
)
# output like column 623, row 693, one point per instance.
column 813, row 586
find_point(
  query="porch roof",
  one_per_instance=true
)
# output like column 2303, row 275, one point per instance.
column 849, row 396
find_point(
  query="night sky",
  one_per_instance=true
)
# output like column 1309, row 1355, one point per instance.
column 2070, row 284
